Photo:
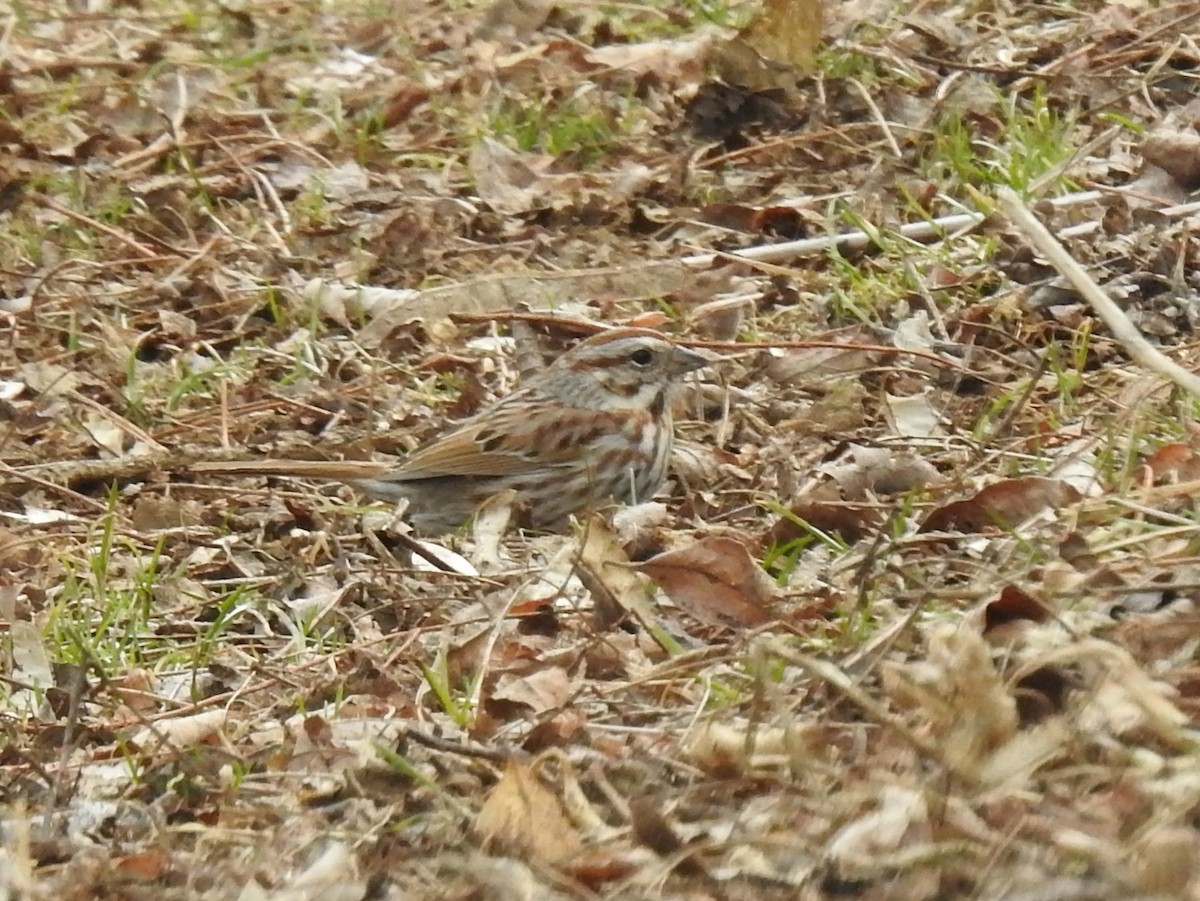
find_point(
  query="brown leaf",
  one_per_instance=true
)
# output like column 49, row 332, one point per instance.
column 143, row 866
column 600, row 867
column 783, row 221
column 822, row 509
column 399, row 106
column 1177, row 153
column 522, row 817
column 556, row 731
column 734, row 216
column 1174, row 462
column 720, row 320
column 1004, row 504
column 809, row 365
column 541, row 690
column 715, row 580
column 508, row 181
column 16, row 550
column 1014, row 605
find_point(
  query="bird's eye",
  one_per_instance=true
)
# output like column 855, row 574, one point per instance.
column 641, row 357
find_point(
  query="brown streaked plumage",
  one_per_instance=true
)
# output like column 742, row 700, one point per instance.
column 594, row 426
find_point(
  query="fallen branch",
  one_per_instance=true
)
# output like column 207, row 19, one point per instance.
column 1125, row 332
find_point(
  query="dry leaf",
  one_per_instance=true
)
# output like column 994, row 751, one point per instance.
column 1014, row 605
column 786, row 32
column 783, row 221
column 505, row 179
column 878, row 470
column 776, row 48
column 182, row 732
column 522, row 817
column 823, row 509
column 1005, row 505
column 1174, row 462
column 679, row 61
column 959, row 695
column 143, row 866
column 492, row 520
column 606, row 571
column 545, row 689
column 721, row 319
column 1177, row 153
column 812, row 365
column 912, row 416
column 715, row 580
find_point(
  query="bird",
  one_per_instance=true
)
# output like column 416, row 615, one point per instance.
column 591, row 428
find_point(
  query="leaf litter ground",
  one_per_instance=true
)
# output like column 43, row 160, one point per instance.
column 916, row 618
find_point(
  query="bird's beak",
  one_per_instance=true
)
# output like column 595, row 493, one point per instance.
column 685, row 360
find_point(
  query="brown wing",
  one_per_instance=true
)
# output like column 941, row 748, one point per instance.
column 486, row 447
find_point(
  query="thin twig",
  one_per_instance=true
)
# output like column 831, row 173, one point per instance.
column 117, row 235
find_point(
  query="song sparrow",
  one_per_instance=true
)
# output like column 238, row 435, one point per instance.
column 594, row 426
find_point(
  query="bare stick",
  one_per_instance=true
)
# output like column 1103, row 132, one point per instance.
column 1141, row 350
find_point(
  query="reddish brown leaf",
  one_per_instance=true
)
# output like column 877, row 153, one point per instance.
column 601, row 867
column 784, row 221
column 1174, row 462
column 400, row 105
column 734, row 216
column 143, row 866
column 848, row 522
column 1014, row 605
column 649, row 319
column 318, row 730
column 1004, row 504
column 715, row 580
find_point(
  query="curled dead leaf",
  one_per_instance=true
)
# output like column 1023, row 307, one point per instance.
column 607, row 574
column 775, row 48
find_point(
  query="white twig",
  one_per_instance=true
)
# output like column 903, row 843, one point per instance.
column 851, row 240
column 778, row 253
column 1141, row 350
